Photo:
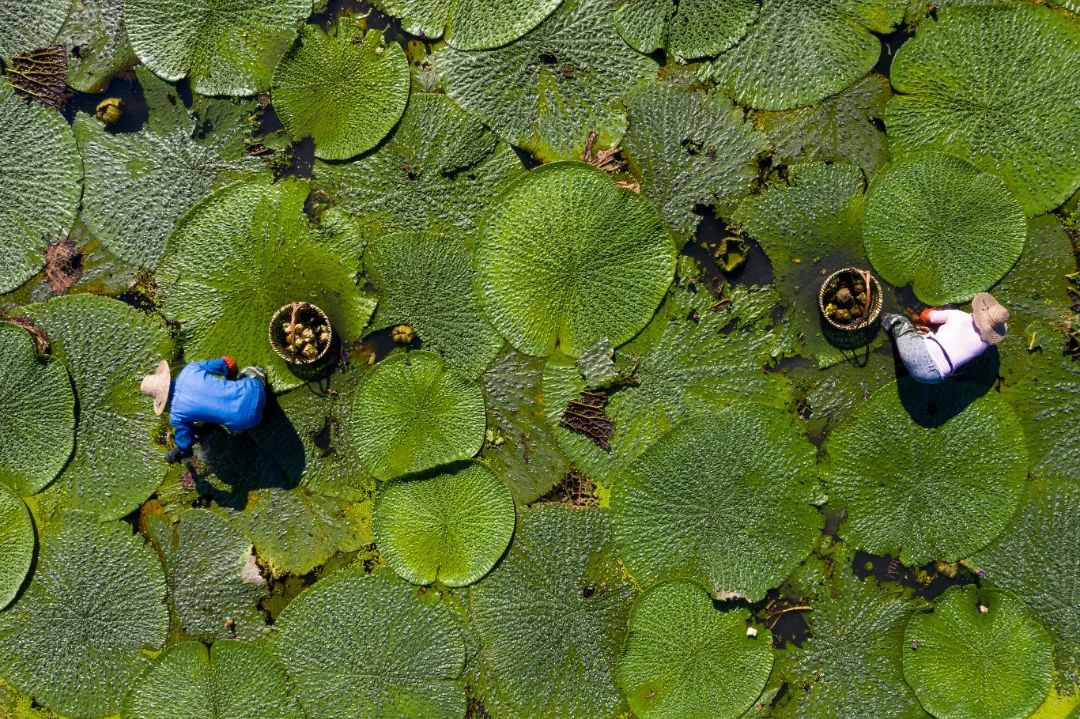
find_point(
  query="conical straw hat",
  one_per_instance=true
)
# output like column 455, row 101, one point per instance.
column 157, row 386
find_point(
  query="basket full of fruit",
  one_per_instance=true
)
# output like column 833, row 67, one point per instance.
column 850, row 299
column 301, row 333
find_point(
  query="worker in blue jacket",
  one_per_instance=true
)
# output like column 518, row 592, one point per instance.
column 211, row 391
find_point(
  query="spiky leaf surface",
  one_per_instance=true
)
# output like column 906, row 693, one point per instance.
column 688, row 29
column 471, row 25
column 1047, row 400
column 30, row 25
column 97, row 44
column 16, row 544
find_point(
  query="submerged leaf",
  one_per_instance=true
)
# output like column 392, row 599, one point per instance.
column 469, row 25
column 687, row 29
column 16, row 545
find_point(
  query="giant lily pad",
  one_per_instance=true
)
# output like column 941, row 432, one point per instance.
column 549, row 618
column 230, row 679
column 726, row 500
column 566, row 257
column 412, row 413
column 967, row 663
column 686, row 660
column 687, row 29
column 74, row 639
column 438, row 171
column 992, row 84
column 425, row 280
column 37, row 437
column 451, row 527
column 108, row 346
column 16, row 544
column 40, row 183
column 30, row 25
column 689, row 148
column 923, row 493
column 1047, row 400
column 241, row 254
column 354, row 640
column 139, row 185
column 469, row 25
column 802, row 51
column 547, row 91
column 226, row 48
column 97, row 44
column 938, row 222
column 345, row 91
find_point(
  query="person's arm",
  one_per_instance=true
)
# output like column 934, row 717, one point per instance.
column 935, row 316
column 223, row 366
column 184, row 438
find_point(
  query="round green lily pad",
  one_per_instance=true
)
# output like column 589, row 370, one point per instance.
column 688, row 29
column 74, row 640
column 354, row 640
column 413, row 413
column 937, row 222
column 566, row 257
column 927, row 472
column 726, row 500
column 231, row 679
column 38, row 434
column 979, row 655
column 16, row 544
column 451, row 527
column 40, row 184
column 684, row 659
column 345, row 91
column 30, row 25
column 227, row 47
column 995, row 85
column 469, row 25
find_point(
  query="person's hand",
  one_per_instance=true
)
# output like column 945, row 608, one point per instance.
column 924, row 316
column 176, row 454
column 230, row 364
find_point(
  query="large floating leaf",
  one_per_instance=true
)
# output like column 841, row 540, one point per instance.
column 425, row 280
column 1036, row 558
column 97, row 44
column 937, row 222
column 550, row 618
column 345, row 91
column 240, row 255
column 227, row 48
column 212, row 576
column 687, row 29
column 923, row 493
column 412, row 413
column 139, row 185
column 38, row 431
column 1047, row 399
column 16, row 544
column 40, row 182
column 967, row 663
column 74, row 639
column 360, row 643
column 802, row 51
column 451, row 526
column 684, row 659
column 231, row 679
column 108, row 347
column 726, row 500
column 469, row 25
column 566, row 257
column 690, row 148
column 993, row 85
column 30, row 25
column 547, row 91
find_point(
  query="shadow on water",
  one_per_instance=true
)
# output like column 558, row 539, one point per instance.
column 124, row 86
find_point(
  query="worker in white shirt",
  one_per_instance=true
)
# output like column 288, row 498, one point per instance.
column 957, row 337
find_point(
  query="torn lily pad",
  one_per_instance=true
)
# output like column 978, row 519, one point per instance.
column 30, row 25
column 451, row 526
column 565, row 257
column 939, row 223
column 40, row 183
column 688, row 29
column 992, row 84
column 468, row 25
column 108, row 347
column 38, row 433
column 16, row 545
column 685, row 659
column 226, row 48
column 354, row 640
column 74, row 640
column 344, row 90
column 239, row 256
column 980, row 653
column 97, row 44
column 550, row 89
column 926, row 497
column 230, row 679
column 726, row 500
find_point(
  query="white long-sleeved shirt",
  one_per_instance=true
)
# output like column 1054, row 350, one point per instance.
column 957, row 335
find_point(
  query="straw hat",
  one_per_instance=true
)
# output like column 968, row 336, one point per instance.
column 157, row 386
column 990, row 317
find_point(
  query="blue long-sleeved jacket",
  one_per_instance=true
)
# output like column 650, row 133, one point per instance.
column 201, row 394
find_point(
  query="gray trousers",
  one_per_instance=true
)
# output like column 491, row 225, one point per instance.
column 912, row 348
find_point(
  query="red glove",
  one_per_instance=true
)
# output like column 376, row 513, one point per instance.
column 924, row 316
column 230, row 364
